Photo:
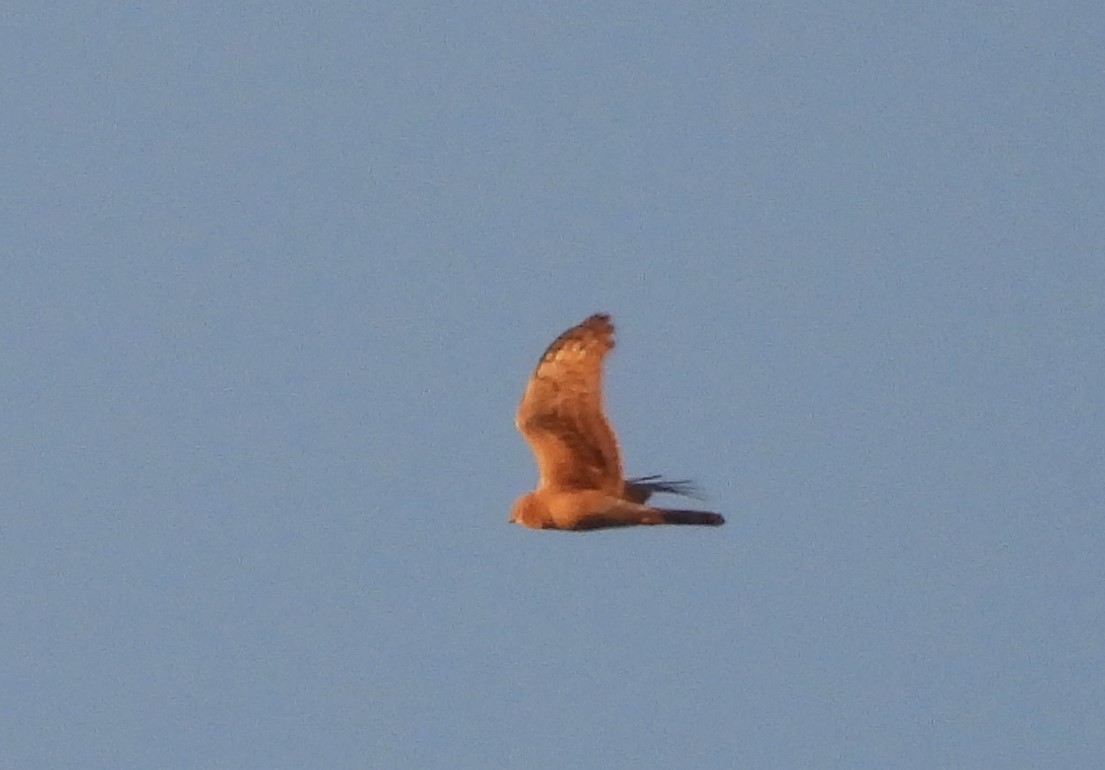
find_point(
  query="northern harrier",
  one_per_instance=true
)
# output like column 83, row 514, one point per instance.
column 581, row 483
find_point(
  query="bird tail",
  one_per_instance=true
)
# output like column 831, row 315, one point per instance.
column 701, row 518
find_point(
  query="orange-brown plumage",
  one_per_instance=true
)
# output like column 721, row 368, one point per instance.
column 581, row 484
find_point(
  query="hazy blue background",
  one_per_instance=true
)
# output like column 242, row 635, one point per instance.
column 274, row 276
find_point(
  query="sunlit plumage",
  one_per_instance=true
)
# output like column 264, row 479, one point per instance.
column 581, row 484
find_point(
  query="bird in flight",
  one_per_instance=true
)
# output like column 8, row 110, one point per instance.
column 581, row 483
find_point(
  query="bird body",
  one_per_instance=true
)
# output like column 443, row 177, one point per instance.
column 581, row 484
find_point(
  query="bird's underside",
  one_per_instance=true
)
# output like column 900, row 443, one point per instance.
column 591, row 509
column 581, row 483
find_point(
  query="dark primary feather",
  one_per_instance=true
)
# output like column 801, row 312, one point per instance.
column 641, row 488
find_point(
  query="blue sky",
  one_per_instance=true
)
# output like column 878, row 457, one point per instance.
column 274, row 278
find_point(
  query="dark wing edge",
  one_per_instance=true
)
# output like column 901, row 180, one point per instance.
column 641, row 488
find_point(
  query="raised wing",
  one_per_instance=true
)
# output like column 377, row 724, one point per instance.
column 561, row 414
